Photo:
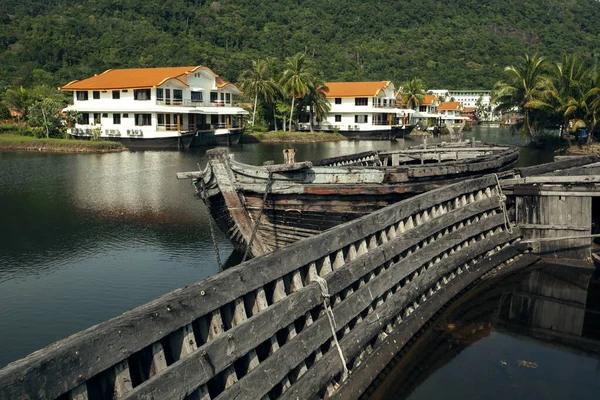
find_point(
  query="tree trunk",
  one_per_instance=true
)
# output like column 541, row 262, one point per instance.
column 311, row 118
column 590, row 139
column 254, row 112
column 45, row 122
column 292, row 112
column 274, row 118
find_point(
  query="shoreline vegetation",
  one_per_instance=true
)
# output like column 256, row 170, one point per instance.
column 15, row 142
column 292, row 137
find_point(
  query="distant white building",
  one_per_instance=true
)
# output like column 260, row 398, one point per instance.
column 157, row 107
column 469, row 98
column 365, row 110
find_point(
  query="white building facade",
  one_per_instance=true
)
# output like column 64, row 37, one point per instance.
column 157, row 107
column 481, row 99
column 365, row 110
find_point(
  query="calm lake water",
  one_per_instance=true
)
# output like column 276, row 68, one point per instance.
column 86, row 237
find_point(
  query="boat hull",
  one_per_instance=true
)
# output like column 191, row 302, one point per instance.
column 392, row 133
column 305, row 199
column 209, row 138
column 182, row 141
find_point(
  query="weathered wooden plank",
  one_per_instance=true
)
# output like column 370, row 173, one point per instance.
column 560, row 179
column 555, row 227
column 184, row 376
column 366, row 373
column 330, row 365
column 557, row 165
column 292, row 353
column 79, row 393
column 235, row 206
column 190, row 175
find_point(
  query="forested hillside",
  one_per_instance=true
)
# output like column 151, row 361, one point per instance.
column 448, row 43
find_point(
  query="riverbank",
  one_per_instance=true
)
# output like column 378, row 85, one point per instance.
column 12, row 142
column 292, row 137
column 585, row 149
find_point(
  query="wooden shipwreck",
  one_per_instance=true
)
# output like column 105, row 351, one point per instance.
column 271, row 206
column 316, row 319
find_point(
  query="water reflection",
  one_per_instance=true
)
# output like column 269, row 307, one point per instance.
column 532, row 335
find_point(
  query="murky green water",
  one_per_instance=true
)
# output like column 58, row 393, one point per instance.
column 85, row 237
column 533, row 335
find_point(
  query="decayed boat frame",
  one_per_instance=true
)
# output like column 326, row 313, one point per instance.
column 261, row 330
column 272, row 206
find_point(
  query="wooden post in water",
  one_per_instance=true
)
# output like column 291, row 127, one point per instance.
column 555, row 216
column 289, row 156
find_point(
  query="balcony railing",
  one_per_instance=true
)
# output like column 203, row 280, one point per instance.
column 192, row 128
column 193, row 103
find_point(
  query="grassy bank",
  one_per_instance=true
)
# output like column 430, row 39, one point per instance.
column 12, row 142
column 292, row 137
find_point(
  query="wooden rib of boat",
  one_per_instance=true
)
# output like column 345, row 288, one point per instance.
column 272, row 206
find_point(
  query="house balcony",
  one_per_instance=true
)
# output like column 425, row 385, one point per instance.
column 388, row 105
column 192, row 127
column 193, row 103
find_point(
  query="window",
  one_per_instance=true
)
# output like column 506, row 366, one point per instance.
column 141, row 94
column 361, row 101
column 96, row 118
column 423, row 108
column 177, row 96
column 82, row 96
column 228, row 98
column 160, row 119
column 116, row 119
column 96, row 95
column 125, row 115
column 338, row 118
column 85, row 118
column 160, row 94
column 143, row 119
column 116, row 95
column 338, row 100
column 196, row 97
column 361, row 119
column 105, row 115
column 214, row 96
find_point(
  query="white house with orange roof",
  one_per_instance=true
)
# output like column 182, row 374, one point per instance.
column 364, row 110
column 425, row 112
column 451, row 111
column 157, row 107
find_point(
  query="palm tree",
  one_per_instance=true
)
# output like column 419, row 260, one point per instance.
column 592, row 102
column 256, row 82
column 277, row 95
column 567, row 84
column 316, row 101
column 527, row 90
column 296, row 78
column 412, row 92
column 18, row 99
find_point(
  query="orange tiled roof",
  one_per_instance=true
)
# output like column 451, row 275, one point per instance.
column 449, row 105
column 469, row 109
column 133, row 78
column 355, row 89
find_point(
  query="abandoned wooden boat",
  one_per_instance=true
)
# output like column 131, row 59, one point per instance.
column 317, row 319
column 301, row 199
